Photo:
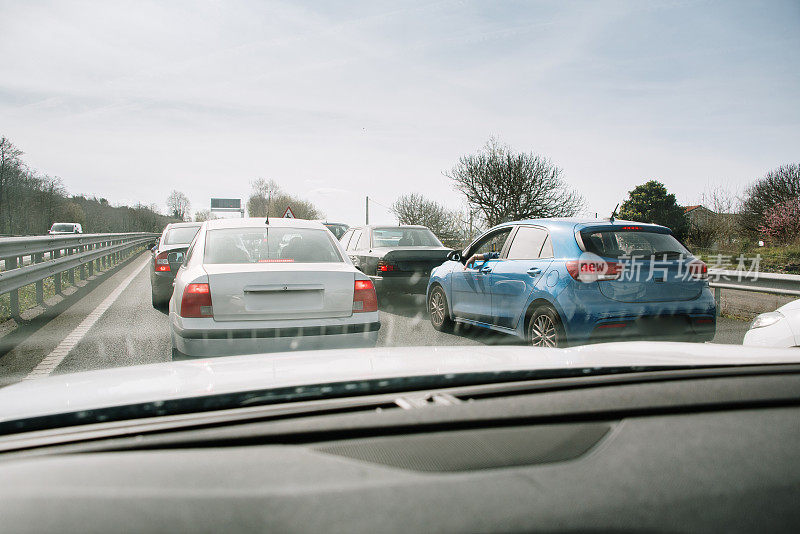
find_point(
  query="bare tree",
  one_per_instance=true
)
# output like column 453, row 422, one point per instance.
column 507, row 186
column 717, row 225
column 776, row 187
column 267, row 198
column 204, row 215
column 415, row 209
column 178, row 205
column 9, row 163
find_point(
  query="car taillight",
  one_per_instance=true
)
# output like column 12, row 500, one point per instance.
column 162, row 262
column 364, row 297
column 592, row 271
column 385, row 267
column 698, row 270
column 196, row 301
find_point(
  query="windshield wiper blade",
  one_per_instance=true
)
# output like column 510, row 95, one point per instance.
column 306, row 393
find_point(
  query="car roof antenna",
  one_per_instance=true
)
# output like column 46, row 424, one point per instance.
column 614, row 213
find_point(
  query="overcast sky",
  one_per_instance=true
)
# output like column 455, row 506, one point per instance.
column 338, row 100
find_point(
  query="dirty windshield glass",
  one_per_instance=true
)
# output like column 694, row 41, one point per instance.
column 485, row 171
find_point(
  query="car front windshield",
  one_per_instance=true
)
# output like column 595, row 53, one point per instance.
column 277, row 194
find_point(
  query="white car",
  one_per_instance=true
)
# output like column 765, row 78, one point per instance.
column 251, row 285
column 65, row 228
column 780, row 328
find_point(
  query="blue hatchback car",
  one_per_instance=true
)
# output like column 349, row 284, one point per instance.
column 558, row 282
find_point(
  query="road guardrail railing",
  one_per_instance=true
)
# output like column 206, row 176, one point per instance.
column 787, row 285
column 32, row 260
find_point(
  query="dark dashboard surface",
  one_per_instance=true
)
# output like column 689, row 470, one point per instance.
column 690, row 455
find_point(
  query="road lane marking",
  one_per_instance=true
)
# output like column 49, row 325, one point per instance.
column 51, row 361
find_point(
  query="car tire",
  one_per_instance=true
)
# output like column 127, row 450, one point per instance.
column 178, row 355
column 545, row 329
column 158, row 302
column 438, row 310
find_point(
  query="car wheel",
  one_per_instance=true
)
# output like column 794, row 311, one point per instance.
column 178, row 355
column 545, row 328
column 158, row 302
column 437, row 308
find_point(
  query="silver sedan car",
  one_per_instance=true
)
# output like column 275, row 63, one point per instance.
column 256, row 285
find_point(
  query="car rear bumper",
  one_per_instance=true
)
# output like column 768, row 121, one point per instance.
column 589, row 316
column 207, row 338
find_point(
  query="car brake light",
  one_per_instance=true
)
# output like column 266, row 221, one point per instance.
column 592, row 271
column 196, row 301
column 698, row 270
column 385, row 267
column 364, row 297
column 162, row 262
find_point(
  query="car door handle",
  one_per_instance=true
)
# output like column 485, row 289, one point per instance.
column 486, row 269
column 534, row 271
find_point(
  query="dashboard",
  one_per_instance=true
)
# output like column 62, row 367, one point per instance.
column 683, row 453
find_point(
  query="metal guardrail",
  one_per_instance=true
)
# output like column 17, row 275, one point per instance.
column 31, row 260
column 771, row 283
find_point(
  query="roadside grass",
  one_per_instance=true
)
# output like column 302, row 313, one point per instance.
column 27, row 294
column 772, row 259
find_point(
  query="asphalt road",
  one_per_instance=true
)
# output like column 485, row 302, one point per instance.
column 132, row 332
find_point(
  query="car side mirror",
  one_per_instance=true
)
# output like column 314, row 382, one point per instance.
column 175, row 257
column 454, row 255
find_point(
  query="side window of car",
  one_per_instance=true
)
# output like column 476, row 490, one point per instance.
column 491, row 243
column 528, row 243
column 354, row 240
column 189, row 252
column 345, row 240
column 363, row 243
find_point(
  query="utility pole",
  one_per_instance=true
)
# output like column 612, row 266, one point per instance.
column 367, row 212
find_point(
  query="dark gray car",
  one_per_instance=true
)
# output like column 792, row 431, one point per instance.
column 167, row 258
column 397, row 258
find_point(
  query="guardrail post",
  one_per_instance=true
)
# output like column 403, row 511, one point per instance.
column 56, row 277
column 13, row 296
column 38, row 258
column 718, row 298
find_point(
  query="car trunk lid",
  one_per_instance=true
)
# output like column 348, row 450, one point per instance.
column 269, row 291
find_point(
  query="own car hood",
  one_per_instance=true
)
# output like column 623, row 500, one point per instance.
column 164, row 381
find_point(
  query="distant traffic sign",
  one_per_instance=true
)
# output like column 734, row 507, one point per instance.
column 288, row 214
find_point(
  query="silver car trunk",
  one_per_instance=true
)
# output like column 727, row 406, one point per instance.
column 271, row 291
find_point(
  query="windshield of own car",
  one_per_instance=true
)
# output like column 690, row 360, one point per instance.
column 269, row 245
column 454, row 149
column 181, row 235
column 404, row 237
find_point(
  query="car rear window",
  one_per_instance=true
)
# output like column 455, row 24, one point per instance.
column 63, row 228
column 336, row 229
column 641, row 243
column 270, row 245
column 404, row 237
column 181, row 236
